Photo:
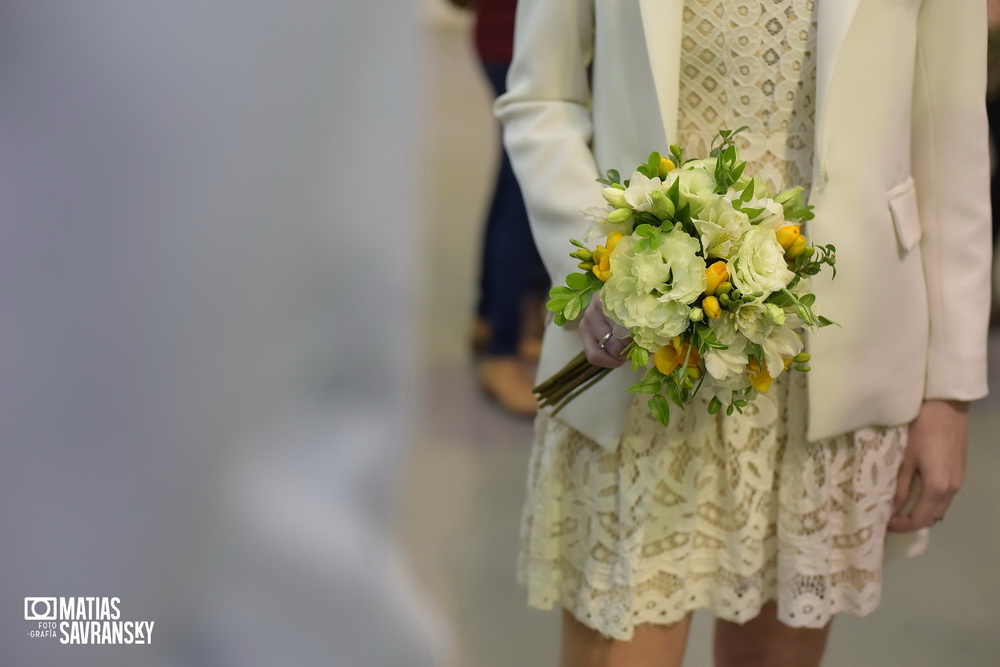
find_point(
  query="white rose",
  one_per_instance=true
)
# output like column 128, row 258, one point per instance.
column 687, row 269
column 721, row 227
column 759, row 264
column 696, row 187
column 667, row 320
column 649, row 291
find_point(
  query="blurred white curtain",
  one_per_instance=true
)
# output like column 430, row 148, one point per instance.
column 207, row 260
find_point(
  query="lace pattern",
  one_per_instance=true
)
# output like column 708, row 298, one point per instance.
column 716, row 512
column 723, row 513
column 751, row 63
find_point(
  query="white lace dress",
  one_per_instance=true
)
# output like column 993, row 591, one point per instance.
column 716, row 512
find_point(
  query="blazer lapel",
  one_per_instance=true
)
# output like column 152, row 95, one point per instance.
column 662, row 22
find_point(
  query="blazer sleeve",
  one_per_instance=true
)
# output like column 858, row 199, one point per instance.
column 951, row 168
column 547, row 124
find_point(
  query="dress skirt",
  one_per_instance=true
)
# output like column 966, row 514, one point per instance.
column 714, row 512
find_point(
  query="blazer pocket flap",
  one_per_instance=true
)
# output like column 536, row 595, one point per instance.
column 905, row 214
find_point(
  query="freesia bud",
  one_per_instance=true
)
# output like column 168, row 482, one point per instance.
column 666, row 166
column 711, row 307
column 586, row 266
column 774, row 314
column 619, row 216
column 715, row 275
column 584, row 255
column 798, row 246
column 724, row 288
column 787, row 235
column 694, row 372
column 663, row 207
column 801, row 357
column 615, row 197
column 696, row 314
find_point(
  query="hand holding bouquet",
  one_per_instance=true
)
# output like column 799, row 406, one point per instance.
column 706, row 270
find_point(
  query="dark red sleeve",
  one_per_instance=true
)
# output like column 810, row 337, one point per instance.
column 495, row 30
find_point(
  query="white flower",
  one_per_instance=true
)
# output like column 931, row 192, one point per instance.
column 759, row 264
column 750, row 320
column 780, row 343
column 687, row 269
column 600, row 226
column 637, row 192
column 721, row 228
column 650, row 291
column 696, row 186
column 724, row 364
column 615, row 197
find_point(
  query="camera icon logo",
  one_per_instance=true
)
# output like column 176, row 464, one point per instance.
column 40, row 609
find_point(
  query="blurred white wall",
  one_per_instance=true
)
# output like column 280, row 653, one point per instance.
column 207, row 271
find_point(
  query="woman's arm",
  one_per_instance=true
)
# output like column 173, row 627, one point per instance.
column 546, row 114
column 951, row 170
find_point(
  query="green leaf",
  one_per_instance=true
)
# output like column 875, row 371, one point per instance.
column 645, row 230
column 638, row 355
column 656, row 241
column 824, row 322
column 556, row 305
column 614, row 176
column 578, row 281
column 649, row 384
column 559, row 319
column 714, row 405
column 660, row 409
column 780, row 299
column 674, row 192
column 808, row 299
column 748, row 192
column 641, row 245
column 572, row 309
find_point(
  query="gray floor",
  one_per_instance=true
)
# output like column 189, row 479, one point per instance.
column 460, row 503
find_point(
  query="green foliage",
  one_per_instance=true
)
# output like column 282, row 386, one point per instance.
column 650, row 384
column 660, row 409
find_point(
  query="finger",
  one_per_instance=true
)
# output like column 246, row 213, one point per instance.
column 616, row 346
column 599, row 356
column 904, row 486
column 935, row 496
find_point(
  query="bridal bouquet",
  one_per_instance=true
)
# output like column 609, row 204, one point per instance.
column 706, row 270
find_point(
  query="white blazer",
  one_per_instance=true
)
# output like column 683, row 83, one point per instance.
column 900, row 185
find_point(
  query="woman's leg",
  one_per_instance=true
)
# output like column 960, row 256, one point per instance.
column 651, row 646
column 767, row 642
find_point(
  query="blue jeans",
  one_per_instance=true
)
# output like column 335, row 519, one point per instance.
column 511, row 268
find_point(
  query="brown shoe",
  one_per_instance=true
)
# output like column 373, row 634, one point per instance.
column 507, row 381
column 482, row 332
